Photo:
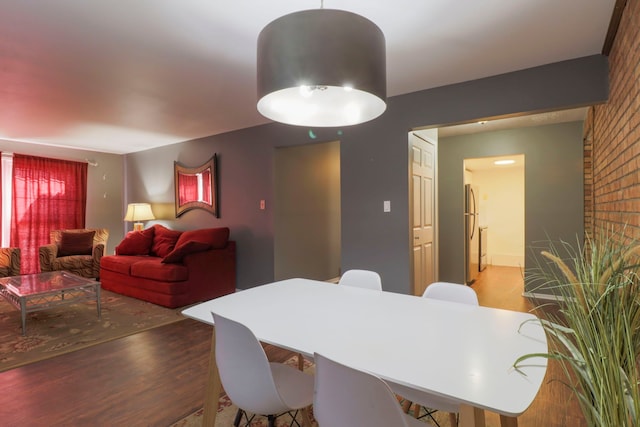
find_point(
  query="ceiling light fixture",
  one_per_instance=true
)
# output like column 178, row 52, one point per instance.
column 504, row 162
column 321, row 68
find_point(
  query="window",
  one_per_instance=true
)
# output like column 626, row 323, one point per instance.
column 40, row 195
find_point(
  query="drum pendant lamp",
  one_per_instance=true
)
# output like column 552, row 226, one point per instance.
column 321, row 68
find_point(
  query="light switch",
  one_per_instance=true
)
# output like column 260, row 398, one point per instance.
column 262, row 204
column 387, row 205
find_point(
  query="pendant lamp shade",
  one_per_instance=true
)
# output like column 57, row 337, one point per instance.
column 321, row 68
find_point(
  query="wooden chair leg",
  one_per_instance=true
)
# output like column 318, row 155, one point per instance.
column 300, row 362
column 453, row 419
column 306, row 416
column 406, row 406
column 416, row 410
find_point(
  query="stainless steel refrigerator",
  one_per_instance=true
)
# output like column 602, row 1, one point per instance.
column 471, row 233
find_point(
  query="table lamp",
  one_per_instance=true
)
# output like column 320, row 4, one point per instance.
column 138, row 212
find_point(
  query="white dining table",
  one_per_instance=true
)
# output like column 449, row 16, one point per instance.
column 458, row 351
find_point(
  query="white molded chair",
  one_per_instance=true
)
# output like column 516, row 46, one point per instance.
column 362, row 279
column 446, row 291
column 365, row 279
column 253, row 383
column 348, row 397
column 453, row 292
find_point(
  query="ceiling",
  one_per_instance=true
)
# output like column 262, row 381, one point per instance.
column 551, row 117
column 488, row 163
column 122, row 76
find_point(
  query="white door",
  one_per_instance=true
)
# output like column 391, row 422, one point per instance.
column 422, row 189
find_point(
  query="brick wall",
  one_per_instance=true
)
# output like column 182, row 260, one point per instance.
column 612, row 138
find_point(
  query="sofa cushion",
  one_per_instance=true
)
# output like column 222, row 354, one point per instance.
column 76, row 243
column 120, row 264
column 136, row 243
column 164, row 240
column 216, row 237
column 180, row 251
column 153, row 269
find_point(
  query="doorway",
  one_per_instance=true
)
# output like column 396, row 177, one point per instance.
column 501, row 214
column 423, row 208
column 307, row 224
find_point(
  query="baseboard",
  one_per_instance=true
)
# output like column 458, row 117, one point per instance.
column 539, row 296
column 506, row 260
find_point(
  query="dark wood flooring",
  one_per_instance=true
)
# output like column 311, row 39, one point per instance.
column 157, row 377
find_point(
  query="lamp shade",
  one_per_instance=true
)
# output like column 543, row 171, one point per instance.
column 139, row 212
column 322, row 68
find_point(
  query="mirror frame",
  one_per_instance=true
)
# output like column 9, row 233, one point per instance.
column 179, row 169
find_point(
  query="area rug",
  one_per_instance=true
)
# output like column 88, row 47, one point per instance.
column 68, row 328
column 227, row 411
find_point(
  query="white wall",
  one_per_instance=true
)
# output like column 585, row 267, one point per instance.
column 502, row 210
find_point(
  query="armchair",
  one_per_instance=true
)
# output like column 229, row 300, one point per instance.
column 9, row 262
column 76, row 251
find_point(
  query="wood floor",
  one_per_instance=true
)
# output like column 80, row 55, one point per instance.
column 157, row 377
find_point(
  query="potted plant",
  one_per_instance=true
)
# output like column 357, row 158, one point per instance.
column 594, row 331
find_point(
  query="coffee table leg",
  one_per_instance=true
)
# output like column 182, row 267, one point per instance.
column 23, row 315
column 98, row 301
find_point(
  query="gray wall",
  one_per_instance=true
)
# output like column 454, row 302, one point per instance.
column 374, row 166
column 307, row 211
column 105, row 184
column 554, row 193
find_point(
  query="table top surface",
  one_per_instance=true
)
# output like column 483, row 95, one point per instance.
column 454, row 350
column 39, row 283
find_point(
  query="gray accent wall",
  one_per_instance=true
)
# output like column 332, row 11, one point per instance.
column 374, row 168
column 554, row 191
column 307, row 211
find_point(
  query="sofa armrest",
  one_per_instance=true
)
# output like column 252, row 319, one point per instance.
column 212, row 273
column 47, row 254
column 98, row 252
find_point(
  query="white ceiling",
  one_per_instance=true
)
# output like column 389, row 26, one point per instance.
column 488, row 163
column 572, row 115
column 122, row 76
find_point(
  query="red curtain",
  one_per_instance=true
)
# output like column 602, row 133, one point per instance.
column 48, row 194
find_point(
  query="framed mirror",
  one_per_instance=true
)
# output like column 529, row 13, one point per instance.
column 197, row 188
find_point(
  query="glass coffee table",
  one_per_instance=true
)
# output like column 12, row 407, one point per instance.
column 36, row 292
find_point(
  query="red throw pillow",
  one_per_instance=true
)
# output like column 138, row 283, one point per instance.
column 164, row 240
column 177, row 254
column 216, row 237
column 136, row 243
column 76, row 243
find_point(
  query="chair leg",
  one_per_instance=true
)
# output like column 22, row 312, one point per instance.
column 300, row 362
column 430, row 413
column 453, row 419
column 306, row 416
column 236, row 422
column 406, row 405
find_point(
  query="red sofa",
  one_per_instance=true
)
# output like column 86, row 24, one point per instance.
column 172, row 268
